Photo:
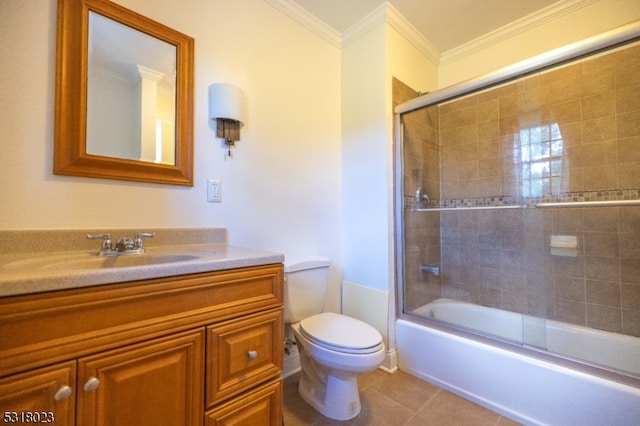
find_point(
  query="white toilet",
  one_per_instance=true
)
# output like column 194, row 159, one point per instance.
column 333, row 348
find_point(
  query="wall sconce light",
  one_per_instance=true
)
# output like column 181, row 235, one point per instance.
column 226, row 106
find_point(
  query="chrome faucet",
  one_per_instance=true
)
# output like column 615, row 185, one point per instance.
column 124, row 245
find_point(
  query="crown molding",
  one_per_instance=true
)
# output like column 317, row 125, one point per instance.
column 376, row 17
column 307, row 20
column 386, row 13
column 519, row 26
column 402, row 25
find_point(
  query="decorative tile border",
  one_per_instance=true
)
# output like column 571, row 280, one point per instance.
column 616, row 194
column 582, row 196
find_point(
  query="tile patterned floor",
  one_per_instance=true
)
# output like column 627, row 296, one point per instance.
column 395, row 400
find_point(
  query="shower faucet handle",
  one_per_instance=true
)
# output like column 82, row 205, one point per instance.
column 421, row 195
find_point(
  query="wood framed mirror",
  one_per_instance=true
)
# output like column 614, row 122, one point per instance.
column 124, row 96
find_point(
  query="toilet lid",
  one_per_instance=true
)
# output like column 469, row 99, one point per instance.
column 340, row 332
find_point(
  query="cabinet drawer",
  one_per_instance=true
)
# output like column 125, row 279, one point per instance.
column 261, row 406
column 243, row 353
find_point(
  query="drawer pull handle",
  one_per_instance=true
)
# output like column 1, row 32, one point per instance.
column 63, row 393
column 252, row 354
column 91, row 384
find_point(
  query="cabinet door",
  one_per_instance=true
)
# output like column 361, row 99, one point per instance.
column 46, row 395
column 243, row 353
column 159, row 382
column 258, row 407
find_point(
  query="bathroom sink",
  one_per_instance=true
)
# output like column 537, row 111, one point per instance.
column 118, row 261
column 84, row 260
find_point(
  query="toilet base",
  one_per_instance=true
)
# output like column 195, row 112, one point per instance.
column 332, row 396
column 329, row 379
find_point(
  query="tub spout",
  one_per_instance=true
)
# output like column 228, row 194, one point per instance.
column 435, row 270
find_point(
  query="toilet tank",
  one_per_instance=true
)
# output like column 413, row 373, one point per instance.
column 305, row 287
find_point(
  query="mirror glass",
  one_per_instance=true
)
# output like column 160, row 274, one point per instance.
column 124, row 95
column 131, row 84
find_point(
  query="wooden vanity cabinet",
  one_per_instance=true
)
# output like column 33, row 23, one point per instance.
column 187, row 350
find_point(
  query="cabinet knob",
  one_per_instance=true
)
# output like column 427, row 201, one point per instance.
column 91, row 384
column 63, row 393
column 252, row 354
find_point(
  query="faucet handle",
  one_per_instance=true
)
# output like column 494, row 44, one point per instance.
column 139, row 236
column 106, row 241
column 103, row 237
column 145, row 235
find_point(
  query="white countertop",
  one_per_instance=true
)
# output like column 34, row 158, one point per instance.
column 26, row 273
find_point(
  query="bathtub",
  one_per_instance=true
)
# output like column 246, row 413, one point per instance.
column 523, row 387
column 601, row 347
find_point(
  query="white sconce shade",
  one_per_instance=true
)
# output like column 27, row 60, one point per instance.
column 226, row 101
column 226, row 106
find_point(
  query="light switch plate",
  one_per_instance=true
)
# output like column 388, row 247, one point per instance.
column 214, row 191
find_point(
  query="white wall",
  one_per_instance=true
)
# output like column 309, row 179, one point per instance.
column 369, row 62
column 365, row 160
column 282, row 189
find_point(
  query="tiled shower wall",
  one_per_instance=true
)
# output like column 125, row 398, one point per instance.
column 569, row 133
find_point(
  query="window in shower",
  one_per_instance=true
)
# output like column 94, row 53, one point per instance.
column 541, row 158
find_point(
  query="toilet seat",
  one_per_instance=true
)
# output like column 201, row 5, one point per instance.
column 341, row 333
